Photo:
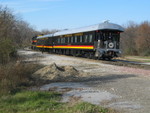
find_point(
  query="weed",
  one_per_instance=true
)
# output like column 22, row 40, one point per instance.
column 29, row 101
column 44, row 102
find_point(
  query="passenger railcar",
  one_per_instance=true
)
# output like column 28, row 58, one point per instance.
column 96, row 41
column 34, row 42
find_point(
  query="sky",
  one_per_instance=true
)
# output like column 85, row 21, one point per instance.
column 68, row 14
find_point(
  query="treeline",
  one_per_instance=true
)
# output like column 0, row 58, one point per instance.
column 14, row 33
column 136, row 39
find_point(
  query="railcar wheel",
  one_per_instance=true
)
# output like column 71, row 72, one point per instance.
column 91, row 55
column 109, row 58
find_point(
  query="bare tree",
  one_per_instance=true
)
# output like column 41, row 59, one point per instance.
column 143, row 39
column 128, row 39
column 7, row 20
column 136, row 39
column 13, row 33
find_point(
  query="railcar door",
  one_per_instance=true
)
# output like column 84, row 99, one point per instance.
column 97, row 43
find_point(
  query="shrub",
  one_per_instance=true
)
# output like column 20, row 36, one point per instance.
column 7, row 51
column 13, row 76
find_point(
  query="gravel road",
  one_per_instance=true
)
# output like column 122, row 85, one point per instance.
column 125, row 89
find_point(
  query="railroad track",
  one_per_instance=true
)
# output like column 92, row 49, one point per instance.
column 128, row 63
column 118, row 62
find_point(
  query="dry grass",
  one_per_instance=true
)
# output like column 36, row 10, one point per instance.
column 13, row 76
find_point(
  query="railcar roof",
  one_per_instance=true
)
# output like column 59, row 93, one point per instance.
column 101, row 26
column 45, row 36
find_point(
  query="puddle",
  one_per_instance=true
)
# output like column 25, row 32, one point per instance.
column 62, row 85
column 79, row 90
column 89, row 95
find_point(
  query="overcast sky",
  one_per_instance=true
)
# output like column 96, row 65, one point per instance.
column 63, row 14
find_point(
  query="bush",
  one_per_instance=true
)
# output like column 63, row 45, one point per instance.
column 13, row 76
column 7, row 51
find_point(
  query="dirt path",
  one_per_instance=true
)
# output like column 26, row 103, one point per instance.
column 123, row 88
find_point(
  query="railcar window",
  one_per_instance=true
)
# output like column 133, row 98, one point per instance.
column 75, row 39
column 81, row 39
column 86, row 38
column 110, row 36
column 63, row 40
column 97, row 37
column 90, row 38
column 78, row 38
column 67, row 39
column 115, row 36
column 71, row 39
column 104, row 37
column 58, row 40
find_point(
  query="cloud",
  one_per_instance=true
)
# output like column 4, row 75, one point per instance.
column 47, row 0
column 27, row 6
column 14, row 4
column 29, row 10
column 23, row 6
column 10, row 3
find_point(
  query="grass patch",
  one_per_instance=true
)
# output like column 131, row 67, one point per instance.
column 84, row 107
column 29, row 101
column 138, row 58
column 143, row 57
column 44, row 102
